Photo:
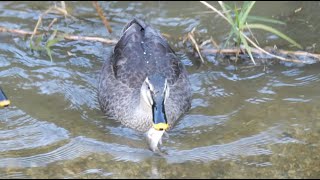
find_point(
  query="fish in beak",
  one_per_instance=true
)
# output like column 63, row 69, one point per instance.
column 154, row 139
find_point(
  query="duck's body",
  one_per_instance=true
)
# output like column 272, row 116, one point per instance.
column 142, row 53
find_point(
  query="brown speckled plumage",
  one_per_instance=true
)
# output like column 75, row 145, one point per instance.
column 141, row 52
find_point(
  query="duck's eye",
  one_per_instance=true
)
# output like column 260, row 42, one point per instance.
column 150, row 88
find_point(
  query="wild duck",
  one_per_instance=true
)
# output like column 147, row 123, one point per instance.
column 143, row 84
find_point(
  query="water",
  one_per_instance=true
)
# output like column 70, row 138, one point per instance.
column 245, row 121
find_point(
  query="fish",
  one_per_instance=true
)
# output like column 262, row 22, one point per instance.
column 154, row 139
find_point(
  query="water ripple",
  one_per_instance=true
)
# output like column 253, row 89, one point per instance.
column 99, row 172
column 256, row 100
column 195, row 120
column 19, row 131
column 297, row 100
column 3, row 62
column 78, row 95
column 220, row 90
column 302, row 81
column 15, row 71
column 77, row 147
column 82, row 146
column 236, row 77
column 249, row 146
column 292, row 72
column 14, row 175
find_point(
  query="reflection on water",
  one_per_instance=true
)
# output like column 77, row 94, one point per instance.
column 29, row 133
column 245, row 122
column 81, row 146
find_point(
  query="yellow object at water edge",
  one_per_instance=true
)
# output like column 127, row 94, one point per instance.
column 4, row 103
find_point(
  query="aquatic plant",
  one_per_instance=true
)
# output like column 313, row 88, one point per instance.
column 44, row 43
column 238, row 19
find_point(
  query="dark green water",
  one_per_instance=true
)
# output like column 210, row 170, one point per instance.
column 245, row 122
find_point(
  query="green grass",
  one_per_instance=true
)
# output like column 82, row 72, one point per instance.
column 45, row 45
column 241, row 20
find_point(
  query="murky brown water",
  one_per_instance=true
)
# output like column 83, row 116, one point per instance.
column 245, row 122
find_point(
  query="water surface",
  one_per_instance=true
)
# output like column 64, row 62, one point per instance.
column 245, row 121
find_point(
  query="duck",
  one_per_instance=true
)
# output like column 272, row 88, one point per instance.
column 143, row 84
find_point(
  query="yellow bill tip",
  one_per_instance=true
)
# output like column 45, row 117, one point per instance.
column 4, row 103
column 161, row 126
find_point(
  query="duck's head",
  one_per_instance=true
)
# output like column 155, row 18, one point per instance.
column 155, row 91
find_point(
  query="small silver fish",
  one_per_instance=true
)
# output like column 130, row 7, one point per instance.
column 154, row 139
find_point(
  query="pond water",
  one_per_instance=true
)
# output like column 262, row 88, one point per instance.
column 245, row 121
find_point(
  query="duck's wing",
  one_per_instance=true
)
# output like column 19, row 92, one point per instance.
column 142, row 51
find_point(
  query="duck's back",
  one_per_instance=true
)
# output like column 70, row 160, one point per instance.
column 142, row 51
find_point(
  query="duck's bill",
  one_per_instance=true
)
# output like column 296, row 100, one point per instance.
column 160, row 126
column 159, row 117
column 4, row 102
column 154, row 139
